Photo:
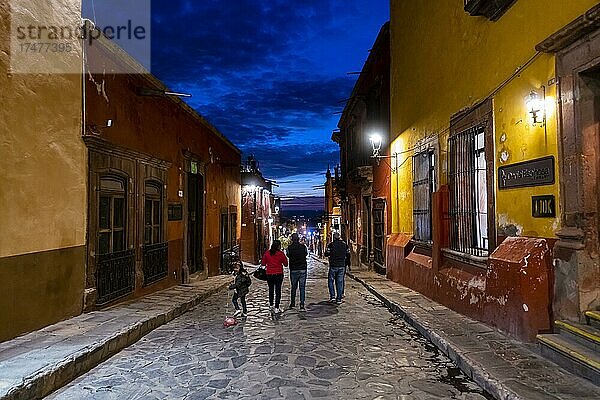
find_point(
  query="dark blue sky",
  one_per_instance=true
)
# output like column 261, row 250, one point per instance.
column 269, row 74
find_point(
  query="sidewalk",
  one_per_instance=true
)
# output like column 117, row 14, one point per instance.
column 36, row 364
column 505, row 367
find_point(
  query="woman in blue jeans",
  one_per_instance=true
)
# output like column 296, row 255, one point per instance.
column 274, row 259
column 297, row 253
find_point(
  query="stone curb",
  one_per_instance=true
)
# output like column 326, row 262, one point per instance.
column 471, row 368
column 53, row 377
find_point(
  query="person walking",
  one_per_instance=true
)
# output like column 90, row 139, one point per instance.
column 274, row 260
column 337, row 251
column 297, row 253
column 240, row 286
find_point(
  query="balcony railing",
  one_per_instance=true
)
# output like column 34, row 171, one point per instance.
column 115, row 275
column 156, row 262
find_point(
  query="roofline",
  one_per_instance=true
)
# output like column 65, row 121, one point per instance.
column 131, row 62
column 383, row 31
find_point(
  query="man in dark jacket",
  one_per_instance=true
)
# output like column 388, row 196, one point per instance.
column 297, row 253
column 338, row 252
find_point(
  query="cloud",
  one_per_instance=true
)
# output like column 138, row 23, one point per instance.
column 283, row 162
column 270, row 75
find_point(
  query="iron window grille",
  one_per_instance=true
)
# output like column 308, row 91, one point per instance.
column 468, row 192
column 156, row 258
column 423, row 187
column 115, row 275
column 379, row 231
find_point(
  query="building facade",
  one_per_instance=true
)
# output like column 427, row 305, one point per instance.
column 260, row 218
column 110, row 189
column 332, row 218
column 164, row 184
column 43, row 196
column 364, row 186
column 490, row 108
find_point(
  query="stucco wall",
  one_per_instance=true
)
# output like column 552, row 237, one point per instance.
column 42, row 188
column 444, row 60
column 43, row 160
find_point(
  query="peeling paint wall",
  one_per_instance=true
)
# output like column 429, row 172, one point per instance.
column 518, row 139
column 443, row 61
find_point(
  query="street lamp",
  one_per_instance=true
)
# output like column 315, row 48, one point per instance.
column 375, row 140
column 535, row 105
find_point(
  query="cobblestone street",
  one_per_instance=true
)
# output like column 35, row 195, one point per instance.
column 355, row 350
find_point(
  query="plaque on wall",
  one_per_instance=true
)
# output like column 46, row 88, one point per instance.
column 175, row 212
column 536, row 172
column 543, row 206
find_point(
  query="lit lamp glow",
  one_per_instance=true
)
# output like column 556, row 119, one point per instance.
column 535, row 106
column 375, row 140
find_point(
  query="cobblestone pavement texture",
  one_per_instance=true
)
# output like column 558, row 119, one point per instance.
column 357, row 350
column 37, row 363
column 505, row 367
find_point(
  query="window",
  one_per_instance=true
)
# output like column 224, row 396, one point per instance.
column 379, row 231
column 468, row 192
column 423, row 187
column 152, row 213
column 112, row 214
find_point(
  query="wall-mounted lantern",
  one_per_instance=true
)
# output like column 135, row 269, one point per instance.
column 536, row 107
column 375, row 140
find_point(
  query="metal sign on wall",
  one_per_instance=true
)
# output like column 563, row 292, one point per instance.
column 543, row 206
column 175, row 212
column 536, row 172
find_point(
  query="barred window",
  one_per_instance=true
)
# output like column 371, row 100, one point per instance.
column 468, row 192
column 379, row 231
column 423, row 187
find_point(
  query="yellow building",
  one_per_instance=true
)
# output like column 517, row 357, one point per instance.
column 489, row 144
column 43, row 181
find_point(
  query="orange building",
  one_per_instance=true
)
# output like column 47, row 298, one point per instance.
column 164, row 184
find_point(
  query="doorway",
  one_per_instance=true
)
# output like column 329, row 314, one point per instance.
column 576, row 285
column 589, row 115
column 366, row 230
column 195, row 221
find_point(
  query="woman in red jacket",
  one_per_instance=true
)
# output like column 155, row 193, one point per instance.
column 274, row 259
